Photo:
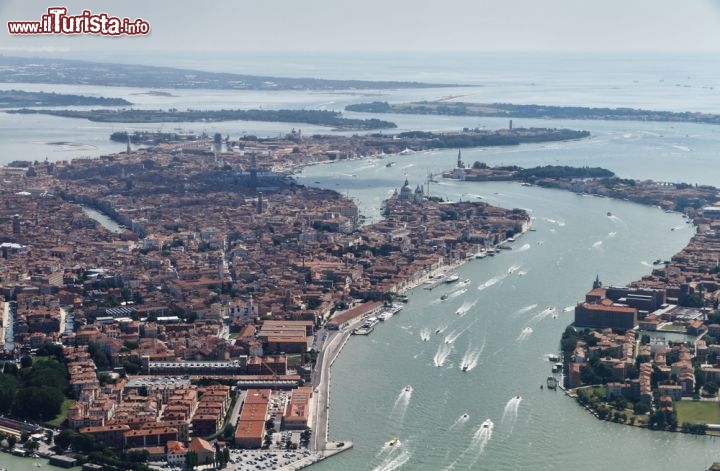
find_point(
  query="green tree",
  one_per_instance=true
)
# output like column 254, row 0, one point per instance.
column 10, row 368
column 191, row 460
column 98, row 355
column 8, row 388
column 31, row 445
column 26, row 361
column 42, row 403
column 137, row 456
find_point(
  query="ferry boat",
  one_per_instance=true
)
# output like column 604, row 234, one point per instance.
column 394, row 308
column 452, row 278
column 383, row 316
column 370, row 322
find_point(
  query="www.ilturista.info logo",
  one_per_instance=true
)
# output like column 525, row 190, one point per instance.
column 57, row 21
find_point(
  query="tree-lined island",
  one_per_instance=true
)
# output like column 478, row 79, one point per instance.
column 318, row 117
column 509, row 110
column 17, row 98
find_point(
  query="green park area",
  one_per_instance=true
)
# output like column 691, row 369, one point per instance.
column 698, row 412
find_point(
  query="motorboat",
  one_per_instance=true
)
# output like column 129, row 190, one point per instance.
column 465, row 416
column 394, row 442
column 465, row 367
column 443, row 297
column 408, row 388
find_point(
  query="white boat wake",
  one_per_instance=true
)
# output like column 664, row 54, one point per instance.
column 513, row 268
column 479, row 441
column 646, row 264
column 396, row 457
column 466, row 306
column 470, row 358
column 442, row 353
column 525, row 309
column 401, row 404
column 457, row 293
column 597, row 244
column 612, row 234
column 543, row 314
column 511, row 408
column 569, row 308
column 453, row 336
column 523, row 248
column 461, row 420
column 492, row 281
column 524, row 334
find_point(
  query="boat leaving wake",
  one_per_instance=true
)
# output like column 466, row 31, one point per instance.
column 511, row 408
column 524, row 334
column 523, row 248
column 543, row 314
column 461, row 420
column 401, row 404
column 466, row 306
column 441, row 355
column 470, row 359
column 492, row 281
column 480, row 439
column 424, row 334
column 396, row 456
column 525, row 309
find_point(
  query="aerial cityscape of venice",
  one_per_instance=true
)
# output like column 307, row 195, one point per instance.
column 369, row 237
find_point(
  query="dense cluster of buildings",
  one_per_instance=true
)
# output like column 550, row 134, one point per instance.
column 616, row 316
column 218, row 270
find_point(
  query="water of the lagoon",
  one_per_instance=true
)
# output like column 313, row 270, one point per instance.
column 504, row 325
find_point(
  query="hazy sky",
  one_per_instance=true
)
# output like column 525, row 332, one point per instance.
column 386, row 25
